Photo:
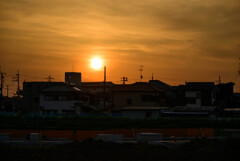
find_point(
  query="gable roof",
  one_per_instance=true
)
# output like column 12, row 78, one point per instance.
column 160, row 85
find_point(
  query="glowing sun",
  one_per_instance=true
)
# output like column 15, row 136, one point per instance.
column 96, row 63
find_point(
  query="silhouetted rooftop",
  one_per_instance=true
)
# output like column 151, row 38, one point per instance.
column 160, row 85
column 96, row 84
column 199, row 85
column 64, row 88
column 138, row 86
column 196, row 86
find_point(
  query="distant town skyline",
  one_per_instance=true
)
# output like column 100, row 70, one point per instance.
column 177, row 40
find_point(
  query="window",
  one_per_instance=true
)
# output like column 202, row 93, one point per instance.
column 198, row 95
column 48, row 98
column 62, row 98
column 129, row 102
column 191, row 100
column 148, row 98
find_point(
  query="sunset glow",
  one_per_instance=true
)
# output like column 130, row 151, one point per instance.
column 96, row 63
column 176, row 40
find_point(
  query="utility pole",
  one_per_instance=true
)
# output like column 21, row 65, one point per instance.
column 18, row 81
column 239, row 71
column 239, row 67
column 49, row 78
column 104, row 88
column 2, row 81
column 152, row 76
column 219, row 80
column 124, row 79
column 7, row 90
column 141, row 69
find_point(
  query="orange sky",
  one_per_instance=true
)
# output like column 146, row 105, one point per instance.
column 177, row 40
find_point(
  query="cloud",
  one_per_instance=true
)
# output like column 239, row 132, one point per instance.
column 167, row 34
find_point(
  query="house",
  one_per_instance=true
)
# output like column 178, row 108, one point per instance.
column 73, row 78
column 224, row 95
column 97, row 88
column 166, row 91
column 64, row 99
column 31, row 94
column 139, row 94
column 196, row 94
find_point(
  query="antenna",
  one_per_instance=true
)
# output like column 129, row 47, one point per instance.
column 124, row 79
column 49, row 78
column 141, row 69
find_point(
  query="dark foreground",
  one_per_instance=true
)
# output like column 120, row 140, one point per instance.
column 89, row 150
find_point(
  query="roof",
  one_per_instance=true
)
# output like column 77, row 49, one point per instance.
column 232, row 109
column 160, row 85
column 199, row 86
column 193, row 109
column 90, row 84
column 44, row 83
column 63, row 88
column 135, row 87
column 186, row 113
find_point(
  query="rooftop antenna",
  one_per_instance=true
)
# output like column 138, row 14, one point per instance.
column 219, row 80
column 124, row 79
column 49, row 78
column 141, row 69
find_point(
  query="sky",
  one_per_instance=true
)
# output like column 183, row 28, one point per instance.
column 176, row 40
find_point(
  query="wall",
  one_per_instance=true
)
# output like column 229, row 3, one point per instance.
column 193, row 94
column 86, row 134
column 120, row 99
column 56, row 105
column 140, row 114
